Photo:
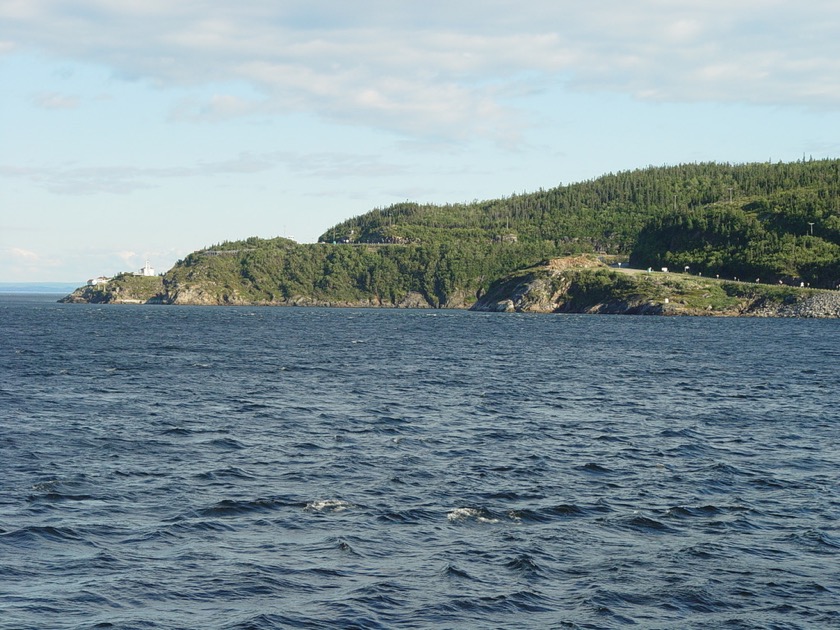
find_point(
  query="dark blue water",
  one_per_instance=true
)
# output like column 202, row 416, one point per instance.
column 188, row 467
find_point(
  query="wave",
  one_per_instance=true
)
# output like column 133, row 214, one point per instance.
column 452, row 571
column 328, row 505
column 234, row 507
column 470, row 514
column 524, row 601
column 703, row 511
column 227, row 444
column 225, row 474
column 565, row 509
column 409, row 516
column 47, row 532
column 595, row 468
column 815, row 541
column 525, row 564
column 644, row 524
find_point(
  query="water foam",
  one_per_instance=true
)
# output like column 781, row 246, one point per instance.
column 329, row 505
column 479, row 515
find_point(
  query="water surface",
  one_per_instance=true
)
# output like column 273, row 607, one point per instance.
column 183, row 467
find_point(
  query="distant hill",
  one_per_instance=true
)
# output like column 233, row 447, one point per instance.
column 774, row 222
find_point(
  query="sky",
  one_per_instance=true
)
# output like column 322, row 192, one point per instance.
column 134, row 130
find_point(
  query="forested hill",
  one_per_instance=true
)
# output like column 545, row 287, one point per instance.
column 776, row 222
column 608, row 213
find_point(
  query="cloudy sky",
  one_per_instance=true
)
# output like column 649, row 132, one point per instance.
column 135, row 129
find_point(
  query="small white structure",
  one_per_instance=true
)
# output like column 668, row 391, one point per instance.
column 147, row 270
column 98, row 280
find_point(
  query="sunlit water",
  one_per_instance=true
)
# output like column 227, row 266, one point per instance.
column 189, row 467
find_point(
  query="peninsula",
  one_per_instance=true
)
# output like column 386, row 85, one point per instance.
column 751, row 239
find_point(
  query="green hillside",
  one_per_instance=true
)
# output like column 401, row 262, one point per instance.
column 608, row 212
column 442, row 273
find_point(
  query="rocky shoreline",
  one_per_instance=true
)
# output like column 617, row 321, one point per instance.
column 580, row 284
column 825, row 304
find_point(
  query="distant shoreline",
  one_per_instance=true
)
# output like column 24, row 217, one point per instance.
column 573, row 284
column 38, row 287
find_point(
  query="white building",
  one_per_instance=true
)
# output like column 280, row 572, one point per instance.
column 147, row 270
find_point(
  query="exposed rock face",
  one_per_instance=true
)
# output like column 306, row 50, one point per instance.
column 534, row 294
column 414, row 300
column 201, row 296
column 540, row 290
column 82, row 295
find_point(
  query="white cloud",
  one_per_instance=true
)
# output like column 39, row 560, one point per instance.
column 21, row 9
column 218, row 107
column 53, row 100
column 23, row 254
column 19, row 262
column 81, row 180
column 445, row 69
column 127, row 257
column 91, row 180
column 330, row 166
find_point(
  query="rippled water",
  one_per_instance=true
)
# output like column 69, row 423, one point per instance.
column 188, row 467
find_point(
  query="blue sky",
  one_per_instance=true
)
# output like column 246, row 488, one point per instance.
column 146, row 129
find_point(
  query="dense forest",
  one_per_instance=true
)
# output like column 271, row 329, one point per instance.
column 790, row 236
column 777, row 222
column 608, row 212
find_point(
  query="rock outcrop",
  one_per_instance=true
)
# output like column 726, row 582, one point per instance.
column 584, row 285
column 122, row 289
